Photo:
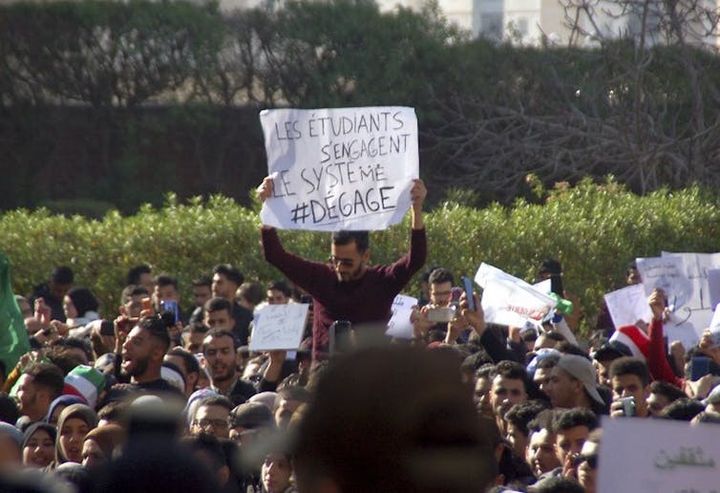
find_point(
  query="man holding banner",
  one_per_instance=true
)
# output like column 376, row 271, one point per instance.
column 345, row 171
column 348, row 288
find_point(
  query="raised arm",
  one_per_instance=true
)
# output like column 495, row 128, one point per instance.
column 418, row 192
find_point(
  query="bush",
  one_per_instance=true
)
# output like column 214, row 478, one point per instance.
column 594, row 229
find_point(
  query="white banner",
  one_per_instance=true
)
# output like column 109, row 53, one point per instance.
column 400, row 325
column 507, row 300
column 279, row 327
column 345, row 168
column 628, row 305
column 658, row 456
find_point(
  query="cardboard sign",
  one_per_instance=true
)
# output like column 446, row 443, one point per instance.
column 346, row 168
column 279, row 327
column 399, row 325
column 658, row 456
column 628, row 305
column 507, row 300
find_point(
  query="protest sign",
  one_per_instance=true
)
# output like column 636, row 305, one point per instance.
column 628, row 305
column 399, row 325
column 669, row 274
column 507, row 300
column 279, row 327
column 714, row 324
column 658, row 456
column 713, row 279
column 698, row 310
column 345, row 168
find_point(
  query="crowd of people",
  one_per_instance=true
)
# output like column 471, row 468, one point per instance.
column 157, row 396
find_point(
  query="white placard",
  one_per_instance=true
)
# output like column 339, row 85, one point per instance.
column 669, row 274
column 713, row 280
column 699, row 310
column 399, row 325
column 508, row 300
column 658, row 456
column 279, row 327
column 345, row 168
column 628, row 305
column 714, row 325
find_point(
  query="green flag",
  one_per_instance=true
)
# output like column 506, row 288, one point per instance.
column 13, row 335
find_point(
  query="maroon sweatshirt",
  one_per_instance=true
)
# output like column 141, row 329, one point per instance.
column 364, row 300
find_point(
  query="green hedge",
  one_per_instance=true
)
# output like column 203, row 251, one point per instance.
column 593, row 229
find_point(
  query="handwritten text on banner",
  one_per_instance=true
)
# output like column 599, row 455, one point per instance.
column 346, row 168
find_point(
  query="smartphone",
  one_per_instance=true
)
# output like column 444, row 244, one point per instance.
column 170, row 306
column 468, row 285
column 628, row 406
column 699, row 367
column 441, row 315
column 340, row 340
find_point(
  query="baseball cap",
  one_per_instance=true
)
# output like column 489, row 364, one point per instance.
column 713, row 397
column 611, row 350
column 582, row 369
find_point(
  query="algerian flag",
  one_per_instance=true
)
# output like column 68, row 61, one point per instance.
column 13, row 335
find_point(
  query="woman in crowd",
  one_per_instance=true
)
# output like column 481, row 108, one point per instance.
column 38, row 447
column 76, row 421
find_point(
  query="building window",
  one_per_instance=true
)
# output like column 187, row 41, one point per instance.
column 491, row 25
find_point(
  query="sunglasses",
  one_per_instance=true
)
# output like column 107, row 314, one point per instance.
column 591, row 460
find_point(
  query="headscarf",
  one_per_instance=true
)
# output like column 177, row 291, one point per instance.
column 63, row 400
column 47, row 427
column 108, row 437
column 73, row 411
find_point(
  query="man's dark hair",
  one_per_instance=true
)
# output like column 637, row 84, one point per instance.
column 486, row 371
column 514, row 371
column 48, row 376
column 9, row 412
column 475, row 361
column 157, row 329
column 555, row 336
column 135, row 273
column 543, row 420
column 667, row 390
column 208, row 444
column 230, row 273
column 113, row 411
column 202, row 281
column 133, row 290
column 166, row 280
column 550, row 266
column 361, row 239
column 252, row 292
column 190, row 361
column 64, row 360
column 628, row 365
column 566, row 347
column 196, row 327
column 558, row 484
column 440, row 275
column 295, row 393
column 419, row 410
column 217, row 304
column 548, row 362
column 684, row 409
column 281, row 286
column 217, row 333
column 574, row 417
column 520, row 415
column 75, row 343
column 62, row 275
column 215, row 400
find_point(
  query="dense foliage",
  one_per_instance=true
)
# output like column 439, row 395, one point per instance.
column 593, row 229
column 115, row 103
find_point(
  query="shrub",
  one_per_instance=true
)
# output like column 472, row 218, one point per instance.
column 593, row 229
